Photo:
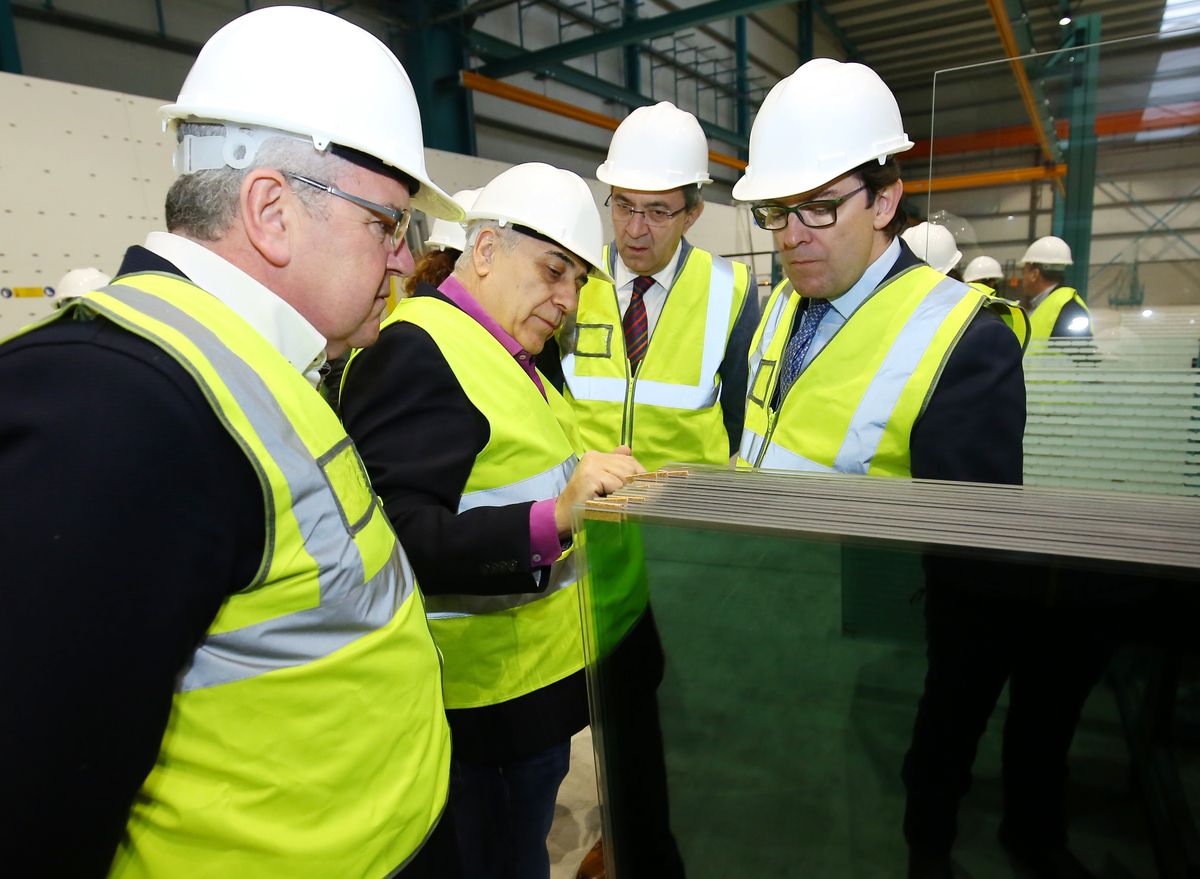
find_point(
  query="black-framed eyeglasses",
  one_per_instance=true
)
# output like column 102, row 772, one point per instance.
column 624, row 212
column 393, row 221
column 814, row 214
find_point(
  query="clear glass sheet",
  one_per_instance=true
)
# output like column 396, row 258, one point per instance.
column 793, row 665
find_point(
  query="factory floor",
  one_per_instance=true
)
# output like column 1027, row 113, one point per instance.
column 577, row 815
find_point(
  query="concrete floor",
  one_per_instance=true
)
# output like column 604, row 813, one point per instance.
column 577, row 814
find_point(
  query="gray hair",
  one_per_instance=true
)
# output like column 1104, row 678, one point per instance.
column 505, row 234
column 203, row 204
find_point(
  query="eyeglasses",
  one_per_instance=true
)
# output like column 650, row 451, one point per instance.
column 394, row 226
column 814, row 214
column 653, row 216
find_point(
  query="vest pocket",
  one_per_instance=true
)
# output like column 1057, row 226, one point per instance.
column 593, row 340
column 760, row 387
column 348, row 483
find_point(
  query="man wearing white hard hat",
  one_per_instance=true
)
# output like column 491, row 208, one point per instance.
column 984, row 274
column 76, row 283
column 442, row 248
column 934, row 244
column 478, row 463
column 215, row 643
column 868, row 361
column 656, row 358
column 1055, row 311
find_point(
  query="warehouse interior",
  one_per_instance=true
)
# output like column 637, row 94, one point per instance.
column 1073, row 118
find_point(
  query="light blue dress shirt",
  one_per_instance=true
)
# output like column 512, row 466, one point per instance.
column 845, row 305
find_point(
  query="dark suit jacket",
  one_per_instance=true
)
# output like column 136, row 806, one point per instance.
column 973, row 426
column 132, row 515
column 419, row 435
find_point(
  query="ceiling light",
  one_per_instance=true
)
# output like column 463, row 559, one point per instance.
column 1147, row 313
column 1064, row 21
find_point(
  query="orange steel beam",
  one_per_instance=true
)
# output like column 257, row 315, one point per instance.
column 1107, row 125
column 982, row 179
column 1009, row 41
column 495, row 87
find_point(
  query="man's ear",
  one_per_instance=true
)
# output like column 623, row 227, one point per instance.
column 887, row 200
column 483, row 255
column 268, row 215
column 693, row 216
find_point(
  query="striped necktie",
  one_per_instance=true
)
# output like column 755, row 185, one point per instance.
column 798, row 344
column 637, row 330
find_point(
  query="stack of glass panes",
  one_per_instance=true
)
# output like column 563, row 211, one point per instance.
column 789, row 619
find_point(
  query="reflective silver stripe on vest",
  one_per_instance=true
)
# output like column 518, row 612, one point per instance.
column 349, row 608
column 542, row 486
column 777, row 457
column 877, row 404
column 539, row 487
column 653, row 393
column 770, row 328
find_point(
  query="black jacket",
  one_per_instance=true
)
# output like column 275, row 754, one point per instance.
column 131, row 515
column 419, row 435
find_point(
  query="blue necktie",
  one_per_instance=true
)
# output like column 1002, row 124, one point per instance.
column 797, row 346
column 637, row 332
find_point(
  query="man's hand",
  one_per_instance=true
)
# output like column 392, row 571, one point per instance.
column 596, row 475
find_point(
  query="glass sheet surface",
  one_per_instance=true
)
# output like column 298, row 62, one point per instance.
column 792, row 670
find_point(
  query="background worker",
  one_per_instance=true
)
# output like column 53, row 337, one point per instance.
column 216, row 660
column 474, row 455
column 1055, row 311
column 671, row 331
column 76, row 283
column 921, row 380
column 934, row 244
column 442, row 248
column 985, row 274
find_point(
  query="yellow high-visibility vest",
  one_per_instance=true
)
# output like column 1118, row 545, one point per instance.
column 1045, row 316
column 499, row 647
column 307, row 737
column 853, row 408
column 669, row 410
column 1013, row 315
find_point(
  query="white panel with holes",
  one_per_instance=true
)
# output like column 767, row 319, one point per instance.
column 84, row 173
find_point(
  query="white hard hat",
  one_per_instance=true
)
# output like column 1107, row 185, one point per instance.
column 821, row 122
column 1048, row 251
column 312, row 75
column 550, row 201
column 934, row 244
column 78, row 282
column 448, row 235
column 981, row 268
column 655, row 149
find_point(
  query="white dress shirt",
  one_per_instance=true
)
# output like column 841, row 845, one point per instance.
column 656, row 294
column 275, row 320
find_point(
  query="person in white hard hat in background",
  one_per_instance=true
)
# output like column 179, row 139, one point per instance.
column 442, row 248
column 217, row 659
column 670, row 332
column 985, row 274
column 934, row 244
column 869, row 362
column 76, row 283
column 1055, row 310
column 478, row 463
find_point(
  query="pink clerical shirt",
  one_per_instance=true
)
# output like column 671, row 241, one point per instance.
column 544, row 546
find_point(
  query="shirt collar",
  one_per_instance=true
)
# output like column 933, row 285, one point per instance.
column 848, row 302
column 453, row 290
column 625, row 276
column 1041, row 297
column 275, row 320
